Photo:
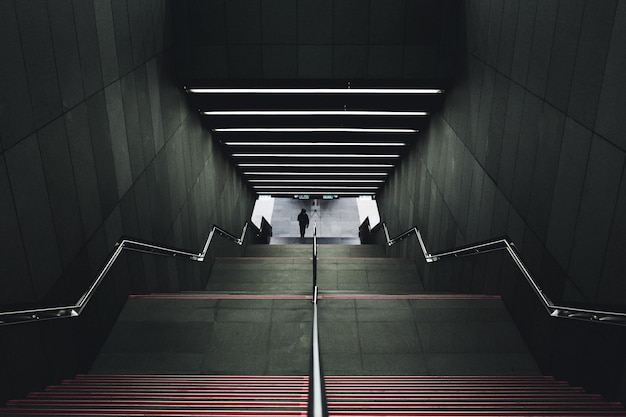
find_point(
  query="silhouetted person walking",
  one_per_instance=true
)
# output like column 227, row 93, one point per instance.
column 303, row 220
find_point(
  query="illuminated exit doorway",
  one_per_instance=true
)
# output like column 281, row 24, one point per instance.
column 335, row 218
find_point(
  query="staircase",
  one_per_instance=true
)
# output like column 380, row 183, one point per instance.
column 242, row 348
column 168, row 395
column 184, row 395
column 461, row 396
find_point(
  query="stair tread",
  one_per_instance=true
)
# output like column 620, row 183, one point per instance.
column 285, row 395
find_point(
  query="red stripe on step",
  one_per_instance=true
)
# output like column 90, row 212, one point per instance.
column 450, row 384
column 159, row 403
column 471, row 404
column 107, row 379
column 308, row 297
column 224, row 296
column 408, row 297
column 147, row 412
column 516, row 413
column 453, row 396
column 365, row 259
column 265, row 258
column 435, row 377
column 319, row 258
column 451, row 380
column 171, row 395
column 443, row 384
column 280, row 413
column 456, row 389
column 301, row 404
column 198, row 376
column 330, row 389
column 331, row 396
column 186, row 382
column 166, row 389
column 330, row 385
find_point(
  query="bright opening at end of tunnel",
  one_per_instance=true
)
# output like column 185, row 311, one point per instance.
column 334, row 217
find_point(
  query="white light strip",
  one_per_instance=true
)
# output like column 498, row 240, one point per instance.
column 313, row 113
column 317, row 165
column 312, row 155
column 313, row 130
column 314, row 143
column 197, row 90
column 329, row 192
column 314, row 180
column 288, row 187
column 316, row 174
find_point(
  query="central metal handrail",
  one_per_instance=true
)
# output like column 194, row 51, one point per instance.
column 314, row 255
column 555, row 310
column 74, row 310
column 317, row 400
column 316, row 390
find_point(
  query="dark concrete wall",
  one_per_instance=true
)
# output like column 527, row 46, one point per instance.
column 96, row 142
column 531, row 144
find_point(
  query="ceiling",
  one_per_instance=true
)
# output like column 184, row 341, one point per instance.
column 340, row 46
column 322, row 142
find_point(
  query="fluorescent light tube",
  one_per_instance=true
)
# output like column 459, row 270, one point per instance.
column 313, row 130
column 235, row 143
column 200, row 90
column 313, row 113
column 312, row 187
column 298, row 192
column 291, row 165
column 312, row 155
column 316, row 174
column 313, row 180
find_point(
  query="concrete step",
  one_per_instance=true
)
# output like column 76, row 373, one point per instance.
column 324, row 250
column 251, row 395
column 369, row 275
column 320, row 241
column 420, row 334
column 261, row 275
column 461, row 396
column 287, row 275
column 168, row 395
column 360, row 334
column 205, row 333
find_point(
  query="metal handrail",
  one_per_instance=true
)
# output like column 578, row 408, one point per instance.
column 317, row 401
column 316, row 390
column 555, row 310
column 314, row 255
column 74, row 310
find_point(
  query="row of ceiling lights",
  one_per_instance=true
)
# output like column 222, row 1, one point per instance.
column 340, row 177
